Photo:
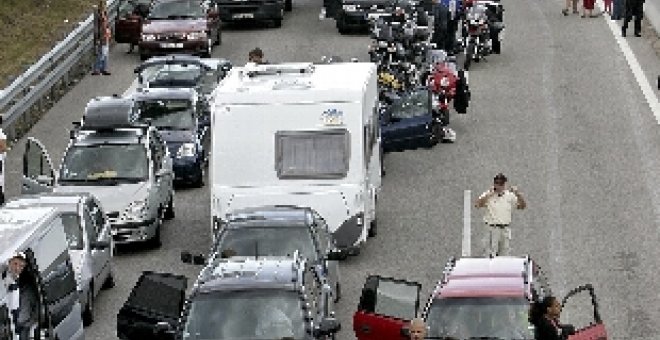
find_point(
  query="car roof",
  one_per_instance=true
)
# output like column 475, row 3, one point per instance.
column 18, row 225
column 239, row 271
column 271, row 216
column 496, row 276
column 118, row 136
column 156, row 93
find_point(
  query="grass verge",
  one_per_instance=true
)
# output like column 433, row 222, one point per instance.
column 30, row 28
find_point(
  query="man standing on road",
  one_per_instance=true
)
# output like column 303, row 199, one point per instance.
column 633, row 8
column 499, row 202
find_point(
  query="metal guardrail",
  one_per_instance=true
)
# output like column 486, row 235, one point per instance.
column 24, row 101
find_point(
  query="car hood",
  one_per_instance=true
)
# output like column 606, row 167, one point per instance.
column 113, row 198
column 367, row 3
column 174, row 26
column 177, row 136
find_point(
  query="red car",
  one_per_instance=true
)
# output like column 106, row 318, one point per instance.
column 477, row 298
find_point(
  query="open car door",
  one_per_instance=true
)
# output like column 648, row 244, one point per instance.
column 587, row 327
column 128, row 22
column 386, row 306
column 155, row 298
column 38, row 173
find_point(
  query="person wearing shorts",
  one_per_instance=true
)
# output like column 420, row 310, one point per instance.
column 588, row 5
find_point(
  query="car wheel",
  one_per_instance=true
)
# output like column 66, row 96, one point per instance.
column 169, row 210
column 373, row 228
column 88, row 312
column 156, row 241
column 337, row 292
column 288, row 5
column 109, row 281
column 199, row 180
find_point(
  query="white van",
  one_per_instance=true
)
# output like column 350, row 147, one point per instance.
column 39, row 234
column 299, row 134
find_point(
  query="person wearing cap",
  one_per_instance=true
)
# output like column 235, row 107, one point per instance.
column 26, row 314
column 499, row 202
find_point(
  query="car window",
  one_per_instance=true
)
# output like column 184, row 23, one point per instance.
column 98, row 163
column 168, row 114
column 268, row 241
column 179, row 9
column 413, row 105
column 73, row 230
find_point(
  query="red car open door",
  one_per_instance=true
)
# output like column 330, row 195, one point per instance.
column 591, row 327
column 128, row 24
column 386, row 306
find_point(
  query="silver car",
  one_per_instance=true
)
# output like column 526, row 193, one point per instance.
column 125, row 164
column 90, row 244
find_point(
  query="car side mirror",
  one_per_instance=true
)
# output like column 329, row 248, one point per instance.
column 405, row 332
column 100, row 245
column 327, row 327
column 336, row 255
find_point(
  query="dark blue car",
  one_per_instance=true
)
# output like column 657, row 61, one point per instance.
column 175, row 112
column 407, row 122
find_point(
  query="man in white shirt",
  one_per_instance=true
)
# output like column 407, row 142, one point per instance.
column 499, row 202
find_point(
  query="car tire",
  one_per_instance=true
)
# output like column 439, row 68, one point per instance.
column 169, row 210
column 88, row 312
column 109, row 281
column 199, row 180
column 218, row 38
column 337, row 292
column 373, row 228
column 288, row 5
column 277, row 23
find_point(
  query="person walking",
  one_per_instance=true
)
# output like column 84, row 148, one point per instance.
column 568, row 5
column 608, row 6
column 588, row 6
column 618, row 10
column 102, row 40
column 499, row 203
column 633, row 8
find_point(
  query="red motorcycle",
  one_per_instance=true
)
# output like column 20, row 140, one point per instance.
column 447, row 85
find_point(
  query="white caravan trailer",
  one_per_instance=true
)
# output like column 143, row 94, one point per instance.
column 299, row 134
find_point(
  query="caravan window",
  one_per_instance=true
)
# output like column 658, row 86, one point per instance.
column 312, row 154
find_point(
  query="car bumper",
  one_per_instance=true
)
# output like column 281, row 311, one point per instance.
column 251, row 11
column 130, row 232
column 186, row 170
column 353, row 19
column 153, row 48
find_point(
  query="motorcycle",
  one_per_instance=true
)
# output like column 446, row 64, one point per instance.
column 482, row 26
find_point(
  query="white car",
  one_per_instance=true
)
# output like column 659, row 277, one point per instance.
column 90, row 243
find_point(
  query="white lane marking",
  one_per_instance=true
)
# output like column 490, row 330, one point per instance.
column 467, row 223
column 635, row 67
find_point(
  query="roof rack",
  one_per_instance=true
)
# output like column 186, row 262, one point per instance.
column 109, row 113
column 253, row 70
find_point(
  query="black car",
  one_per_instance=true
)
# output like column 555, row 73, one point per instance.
column 354, row 14
column 254, row 10
column 175, row 113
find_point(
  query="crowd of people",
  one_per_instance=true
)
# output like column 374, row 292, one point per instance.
column 624, row 10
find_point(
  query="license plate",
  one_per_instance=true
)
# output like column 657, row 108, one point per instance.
column 171, row 45
column 243, row 16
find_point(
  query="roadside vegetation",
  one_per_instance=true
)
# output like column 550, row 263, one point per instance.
column 30, row 28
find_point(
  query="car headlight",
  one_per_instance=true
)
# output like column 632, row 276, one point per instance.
column 186, row 150
column 349, row 8
column 196, row 36
column 148, row 37
column 137, row 208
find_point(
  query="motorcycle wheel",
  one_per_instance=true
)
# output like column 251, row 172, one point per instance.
column 469, row 55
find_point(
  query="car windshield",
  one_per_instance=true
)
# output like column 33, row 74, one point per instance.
column 168, row 114
column 258, row 314
column 176, row 75
column 503, row 318
column 100, row 163
column 413, row 105
column 73, row 230
column 180, row 9
column 268, row 241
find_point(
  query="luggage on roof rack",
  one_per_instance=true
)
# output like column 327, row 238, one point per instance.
column 107, row 113
column 276, row 69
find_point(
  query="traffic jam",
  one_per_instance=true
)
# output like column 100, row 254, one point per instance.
column 283, row 219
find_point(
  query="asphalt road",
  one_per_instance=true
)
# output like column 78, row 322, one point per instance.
column 559, row 112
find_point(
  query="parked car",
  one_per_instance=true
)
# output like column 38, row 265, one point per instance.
column 90, row 243
column 126, row 165
column 175, row 113
column 408, row 123
column 280, row 231
column 236, row 298
column 477, row 298
column 354, row 14
column 181, row 26
column 261, row 10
